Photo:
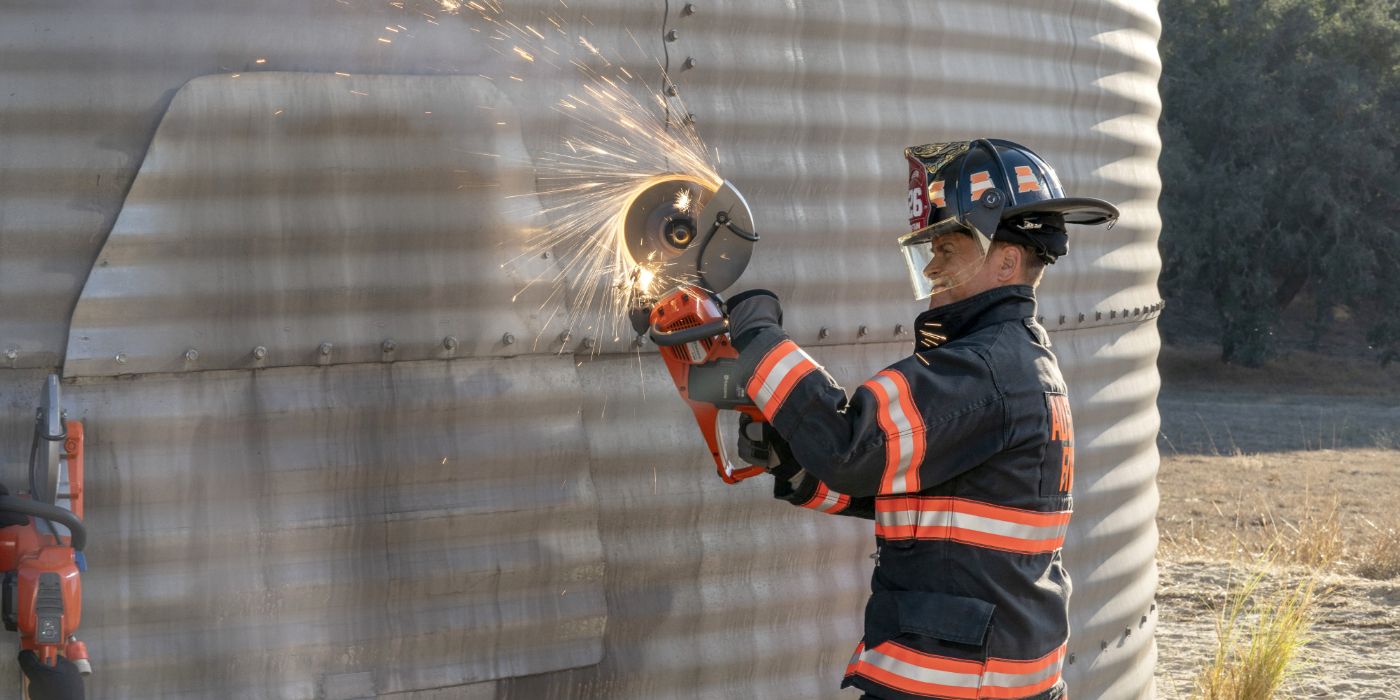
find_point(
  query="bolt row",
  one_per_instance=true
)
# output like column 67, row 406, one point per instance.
column 451, row 344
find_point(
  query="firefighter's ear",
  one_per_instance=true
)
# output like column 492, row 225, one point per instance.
column 1007, row 262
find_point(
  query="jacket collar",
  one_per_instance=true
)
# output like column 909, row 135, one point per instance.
column 946, row 323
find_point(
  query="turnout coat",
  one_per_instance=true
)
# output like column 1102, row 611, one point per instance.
column 962, row 454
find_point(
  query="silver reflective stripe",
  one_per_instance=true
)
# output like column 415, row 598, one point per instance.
column 966, row 521
column 1021, row 680
column 770, row 383
column 829, row 500
column 904, row 440
column 919, row 673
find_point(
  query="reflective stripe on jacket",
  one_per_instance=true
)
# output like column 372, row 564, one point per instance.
column 962, row 454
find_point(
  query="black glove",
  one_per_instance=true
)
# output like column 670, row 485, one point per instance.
column 751, row 313
column 762, row 446
column 8, row 518
column 753, row 448
column 61, row 682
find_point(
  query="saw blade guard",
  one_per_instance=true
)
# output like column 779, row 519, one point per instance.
column 681, row 230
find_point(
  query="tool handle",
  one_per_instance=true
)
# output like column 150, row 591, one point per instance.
column 63, row 516
column 688, row 335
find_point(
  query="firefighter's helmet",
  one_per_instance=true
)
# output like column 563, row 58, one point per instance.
column 992, row 190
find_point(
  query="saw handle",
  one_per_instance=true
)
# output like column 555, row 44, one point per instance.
column 688, row 335
column 63, row 516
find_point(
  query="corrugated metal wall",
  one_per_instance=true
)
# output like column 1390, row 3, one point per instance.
column 266, row 532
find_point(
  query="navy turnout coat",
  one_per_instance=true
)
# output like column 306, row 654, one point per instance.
column 962, row 454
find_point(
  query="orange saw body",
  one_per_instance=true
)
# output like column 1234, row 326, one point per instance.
column 693, row 334
column 41, row 589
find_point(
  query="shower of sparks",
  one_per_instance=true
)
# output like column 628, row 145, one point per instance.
column 622, row 138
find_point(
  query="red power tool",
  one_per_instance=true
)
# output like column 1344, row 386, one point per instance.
column 687, row 322
column 41, row 591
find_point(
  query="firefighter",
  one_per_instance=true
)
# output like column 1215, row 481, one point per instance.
column 962, row 453
column 61, row 681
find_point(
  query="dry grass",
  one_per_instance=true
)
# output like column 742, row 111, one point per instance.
column 1259, row 639
column 1316, row 541
column 1381, row 561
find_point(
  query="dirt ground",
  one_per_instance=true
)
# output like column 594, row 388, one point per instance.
column 1302, row 472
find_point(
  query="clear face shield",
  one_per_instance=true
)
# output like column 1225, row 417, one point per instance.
column 942, row 257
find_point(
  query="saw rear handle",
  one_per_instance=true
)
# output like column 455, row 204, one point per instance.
column 693, row 335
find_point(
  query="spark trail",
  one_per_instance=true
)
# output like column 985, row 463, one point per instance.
column 621, row 140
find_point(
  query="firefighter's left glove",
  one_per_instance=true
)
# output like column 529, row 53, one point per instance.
column 60, row 682
column 6, row 517
column 751, row 313
column 762, row 446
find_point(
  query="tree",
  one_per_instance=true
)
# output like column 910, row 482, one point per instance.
column 1279, row 132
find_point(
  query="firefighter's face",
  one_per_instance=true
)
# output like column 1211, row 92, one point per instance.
column 955, row 264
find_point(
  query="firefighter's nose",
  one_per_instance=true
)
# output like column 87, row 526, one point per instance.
column 931, row 269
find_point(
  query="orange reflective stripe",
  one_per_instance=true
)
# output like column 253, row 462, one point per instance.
column 827, row 501
column 1006, row 678
column 777, row 374
column 931, row 675
column 903, row 426
column 971, row 522
column 914, row 672
column 1025, row 179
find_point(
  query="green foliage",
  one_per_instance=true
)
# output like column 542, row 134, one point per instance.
column 1279, row 163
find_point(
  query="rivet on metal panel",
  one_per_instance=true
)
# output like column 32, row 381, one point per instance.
column 508, row 339
column 450, row 343
column 689, row 9
column 120, row 358
column 1070, row 660
column 639, row 341
column 672, row 35
column 588, row 343
column 1113, row 313
column 1062, row 319
column 388, row 346
column 1153, row 608
column 564, row 338
column 259, row 352
column 12, row 353
column 899, row 329
column 1127, row 631
column 325, row 349
column 690, row 118
column 1125, row 313
column 1103, row 646
column 191, row 355
column 1143, row 621
column 1081, row 318
column 545, row 255
column 823, row 333
column 1098, row 315
column 671, row 90
column 1040, row 320
column 689, row 63
column 862, row 332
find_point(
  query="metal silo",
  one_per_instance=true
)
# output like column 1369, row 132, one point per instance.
column 334, row 454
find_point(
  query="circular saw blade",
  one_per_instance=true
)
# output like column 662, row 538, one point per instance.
column 726, row 240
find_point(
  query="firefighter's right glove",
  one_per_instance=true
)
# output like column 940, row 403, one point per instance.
column 6, row 517
column 60, row 682
column 751, row 313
